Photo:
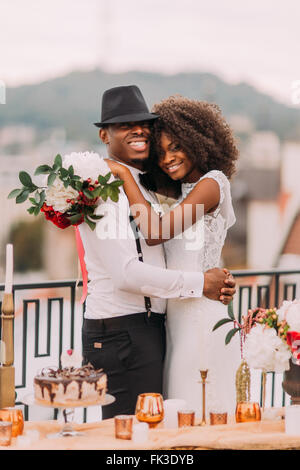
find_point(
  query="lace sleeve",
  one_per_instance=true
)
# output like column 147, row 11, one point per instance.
column 225, row 207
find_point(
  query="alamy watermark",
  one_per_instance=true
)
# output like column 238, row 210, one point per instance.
column 2, row 92
column 115, row 225
column 295, row 95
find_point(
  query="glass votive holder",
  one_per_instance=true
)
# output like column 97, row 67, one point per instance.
column 247, row 411
column 140, row 432
column 5, row 433
column 217, row 418
column 186, row 418
column 123, row 426
column 150, row 408
column 15, row 416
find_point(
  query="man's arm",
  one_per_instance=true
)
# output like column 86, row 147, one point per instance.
column 119, row 258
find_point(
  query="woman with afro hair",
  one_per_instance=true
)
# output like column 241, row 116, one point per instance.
column 192, row 158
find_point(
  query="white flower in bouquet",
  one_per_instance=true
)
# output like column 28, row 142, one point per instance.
column 57, row 196
column 290, row 311
column 86, row 164
column 264, row 350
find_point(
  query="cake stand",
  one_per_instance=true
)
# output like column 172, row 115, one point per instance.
column 68, row 411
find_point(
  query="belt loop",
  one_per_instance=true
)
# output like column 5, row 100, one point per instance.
column 146, row 317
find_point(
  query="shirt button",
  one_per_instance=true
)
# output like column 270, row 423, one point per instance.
column 192, row 292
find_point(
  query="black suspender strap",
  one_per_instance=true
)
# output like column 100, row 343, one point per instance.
column 140, row 256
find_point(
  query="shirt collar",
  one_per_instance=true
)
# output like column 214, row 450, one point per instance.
column 134, row 171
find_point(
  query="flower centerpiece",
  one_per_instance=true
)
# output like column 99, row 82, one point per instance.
column 73, row 188
column 270, row 340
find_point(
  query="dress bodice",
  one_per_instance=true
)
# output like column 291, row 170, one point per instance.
column 199, row 247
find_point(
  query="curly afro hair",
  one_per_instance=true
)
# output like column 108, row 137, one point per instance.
column 202, row 133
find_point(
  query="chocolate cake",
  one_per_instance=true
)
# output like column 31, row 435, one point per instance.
column 70, row 385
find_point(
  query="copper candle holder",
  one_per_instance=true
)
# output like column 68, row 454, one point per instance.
column 186, row 418
column 15, row 416
column 123, row 426
column 218, row 418
column 247, row 411
column 5, row 433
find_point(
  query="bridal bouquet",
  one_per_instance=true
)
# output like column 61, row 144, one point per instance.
column 73, row 189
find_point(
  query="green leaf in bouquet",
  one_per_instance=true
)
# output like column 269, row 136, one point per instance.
column 42, row 197
column 91, row 224
column 37, row 197
column 31, row 210
column 25, row 179
column 22, row 196
column 71, row 170
column 74, row 218
column 88, row 194
column 230, row 310
column 36, row 210
column 51, row 179
column 33, row 201
column 95, row 217
column 63, row 172
column 222, row 322
column 76, row 185
column 104, row 193
column 66, row 184
column 107, row 177
column 116, row 183
column 101, row 179
column 43, row 170
column 14, row 193
column 76, row 177
column 230, row 335
column 57, row 162
column 114, row 194
column 96, row 192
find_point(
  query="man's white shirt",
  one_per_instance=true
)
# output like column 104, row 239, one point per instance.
column 118, row 280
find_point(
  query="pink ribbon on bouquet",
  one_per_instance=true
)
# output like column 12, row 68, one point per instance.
column 80, row 250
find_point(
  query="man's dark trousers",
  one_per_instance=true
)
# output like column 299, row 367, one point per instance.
column 130, row 349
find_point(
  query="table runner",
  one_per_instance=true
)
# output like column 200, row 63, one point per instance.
column 243, row 436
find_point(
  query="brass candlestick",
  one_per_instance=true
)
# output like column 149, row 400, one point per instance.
column 7, row 370
column 203, row 377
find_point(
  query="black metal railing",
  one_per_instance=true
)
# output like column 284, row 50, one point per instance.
column 59, row 299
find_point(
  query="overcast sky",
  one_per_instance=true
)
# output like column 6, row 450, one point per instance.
column 252, row 40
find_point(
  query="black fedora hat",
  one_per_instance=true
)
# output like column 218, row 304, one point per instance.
column 124, row 104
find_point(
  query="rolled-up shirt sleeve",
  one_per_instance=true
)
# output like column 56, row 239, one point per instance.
column 118, row 255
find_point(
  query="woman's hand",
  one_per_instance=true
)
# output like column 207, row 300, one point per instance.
column 117, row 169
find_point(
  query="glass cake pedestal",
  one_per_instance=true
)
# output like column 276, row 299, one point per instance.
column 68, row 411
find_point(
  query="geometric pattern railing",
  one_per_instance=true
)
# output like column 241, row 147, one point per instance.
column 42, row 322
column 48, row 321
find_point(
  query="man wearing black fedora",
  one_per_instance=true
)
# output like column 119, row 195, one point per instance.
column 123, row 329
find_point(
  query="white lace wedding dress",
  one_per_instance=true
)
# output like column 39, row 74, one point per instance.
column 191, row 343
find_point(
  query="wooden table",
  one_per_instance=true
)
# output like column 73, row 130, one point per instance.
column 267, row 435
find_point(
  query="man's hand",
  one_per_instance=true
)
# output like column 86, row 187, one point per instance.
column 219, row 284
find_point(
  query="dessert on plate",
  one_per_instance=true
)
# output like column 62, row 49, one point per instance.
column 71, row 384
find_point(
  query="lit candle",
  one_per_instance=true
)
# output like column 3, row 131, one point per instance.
column 9, row 269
